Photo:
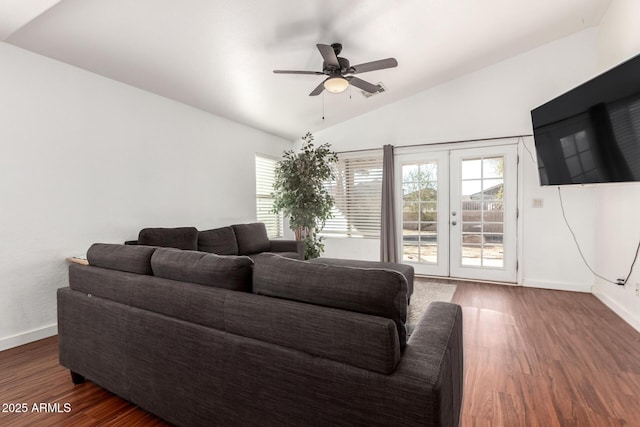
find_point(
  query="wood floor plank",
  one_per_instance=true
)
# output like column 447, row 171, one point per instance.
column 533, row 357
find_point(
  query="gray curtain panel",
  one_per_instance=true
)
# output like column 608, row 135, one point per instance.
column 388, row 234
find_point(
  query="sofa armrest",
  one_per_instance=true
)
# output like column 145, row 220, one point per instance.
column 434, row 358
column 288, row 246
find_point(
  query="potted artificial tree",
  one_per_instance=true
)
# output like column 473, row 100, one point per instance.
column 300, row 194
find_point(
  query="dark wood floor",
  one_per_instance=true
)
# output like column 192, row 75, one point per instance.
column 30, row 375
column 536, row 357
column 532, row 358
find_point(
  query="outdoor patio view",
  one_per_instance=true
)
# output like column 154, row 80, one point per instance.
column 420, row 212
column 480, row 215
column 483, row 212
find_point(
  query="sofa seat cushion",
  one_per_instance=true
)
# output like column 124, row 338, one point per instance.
column 251, row 238
column 132, row 259
column 228, row 272
column 378, row 292
column 221, row 241
column 180, row 237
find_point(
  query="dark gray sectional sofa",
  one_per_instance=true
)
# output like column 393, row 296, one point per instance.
column 205, row 340
column 238, row 239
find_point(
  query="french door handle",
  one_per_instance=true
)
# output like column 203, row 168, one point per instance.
column 454, row 222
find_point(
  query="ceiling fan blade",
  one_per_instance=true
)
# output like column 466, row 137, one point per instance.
column 320, row 73
column 373, row 65
column 329, row 56
column 366, row 86
column 318, row 90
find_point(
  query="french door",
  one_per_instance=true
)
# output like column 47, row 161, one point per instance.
column 458, row 212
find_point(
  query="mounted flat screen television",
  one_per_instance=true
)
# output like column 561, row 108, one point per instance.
column 591, row 134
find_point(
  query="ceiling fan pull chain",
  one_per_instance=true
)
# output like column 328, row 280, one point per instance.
column 323, row 106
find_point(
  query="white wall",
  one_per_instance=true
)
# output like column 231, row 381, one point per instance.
column 85, row 159
column 494, row 102
column 617, row 227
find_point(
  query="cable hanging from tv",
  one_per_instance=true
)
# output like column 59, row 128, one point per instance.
column 619, row 282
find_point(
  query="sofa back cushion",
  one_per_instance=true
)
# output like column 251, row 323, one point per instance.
column 251, row 238
column 221, row 241
column 228, row 272
column 132, row 259
column 180, row 237
column 372, row 291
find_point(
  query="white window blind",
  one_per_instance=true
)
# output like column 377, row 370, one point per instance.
column 357, row 191
column 265, row 177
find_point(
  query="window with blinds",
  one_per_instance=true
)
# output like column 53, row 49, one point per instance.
column 357, row 191
column 265, row 167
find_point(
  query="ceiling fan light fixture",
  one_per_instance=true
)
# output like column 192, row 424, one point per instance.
column 336, row 84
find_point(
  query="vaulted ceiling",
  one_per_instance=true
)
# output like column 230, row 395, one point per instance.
column 218, row 55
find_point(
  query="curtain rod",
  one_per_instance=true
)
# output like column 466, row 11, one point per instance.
column 495, row 138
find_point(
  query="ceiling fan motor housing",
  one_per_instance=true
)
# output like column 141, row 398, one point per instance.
column 344, row 66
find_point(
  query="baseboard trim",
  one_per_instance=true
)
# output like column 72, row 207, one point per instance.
column 556, row 286
column 614, row 306
column 27, row 337
column 456, row 280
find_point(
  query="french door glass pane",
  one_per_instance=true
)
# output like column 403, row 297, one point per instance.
column 472, row 169
column 419, row 212
column 482, row 212
column 493, row 255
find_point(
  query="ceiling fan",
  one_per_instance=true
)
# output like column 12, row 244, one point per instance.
column 340, row 73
